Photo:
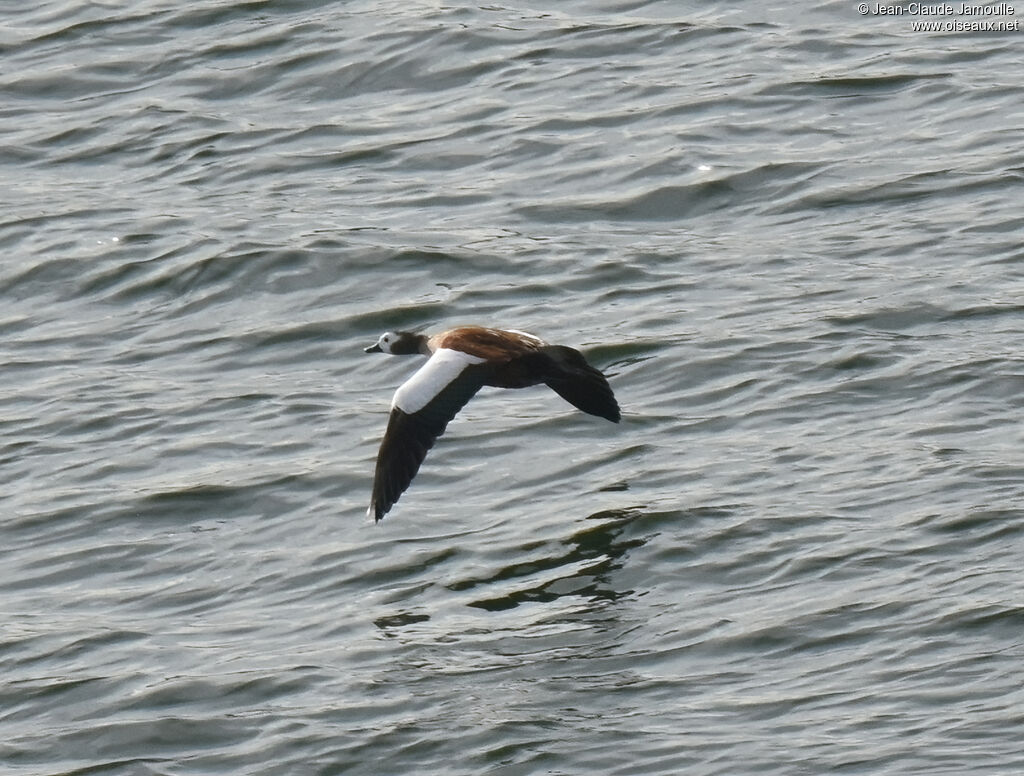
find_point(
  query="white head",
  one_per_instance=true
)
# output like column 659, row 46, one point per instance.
column 398, row 343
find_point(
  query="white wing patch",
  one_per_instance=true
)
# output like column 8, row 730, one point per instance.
column 432, row 378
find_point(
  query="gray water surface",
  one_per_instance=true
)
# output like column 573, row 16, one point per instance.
column 790, row 236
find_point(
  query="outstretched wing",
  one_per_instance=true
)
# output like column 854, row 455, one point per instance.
column 421, row 409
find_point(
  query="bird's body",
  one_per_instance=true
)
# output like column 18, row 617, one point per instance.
column 462, row 361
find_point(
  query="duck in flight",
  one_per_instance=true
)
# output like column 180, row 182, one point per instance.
column 462, row 361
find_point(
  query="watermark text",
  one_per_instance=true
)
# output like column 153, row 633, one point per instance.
column 950, row 17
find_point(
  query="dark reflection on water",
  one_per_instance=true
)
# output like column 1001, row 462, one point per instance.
column 398, row 620
column 595, row 551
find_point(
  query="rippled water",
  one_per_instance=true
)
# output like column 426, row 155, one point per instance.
column 792, row 238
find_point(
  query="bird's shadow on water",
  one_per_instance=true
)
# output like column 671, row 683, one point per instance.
column 580, row 570
column 589, row 557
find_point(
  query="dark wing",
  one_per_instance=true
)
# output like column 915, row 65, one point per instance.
column 445, row 384
column 576, row 381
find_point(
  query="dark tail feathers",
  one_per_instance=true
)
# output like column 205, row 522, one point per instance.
column 579, row 383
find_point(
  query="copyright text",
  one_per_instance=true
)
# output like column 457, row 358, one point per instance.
column 949, row 17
